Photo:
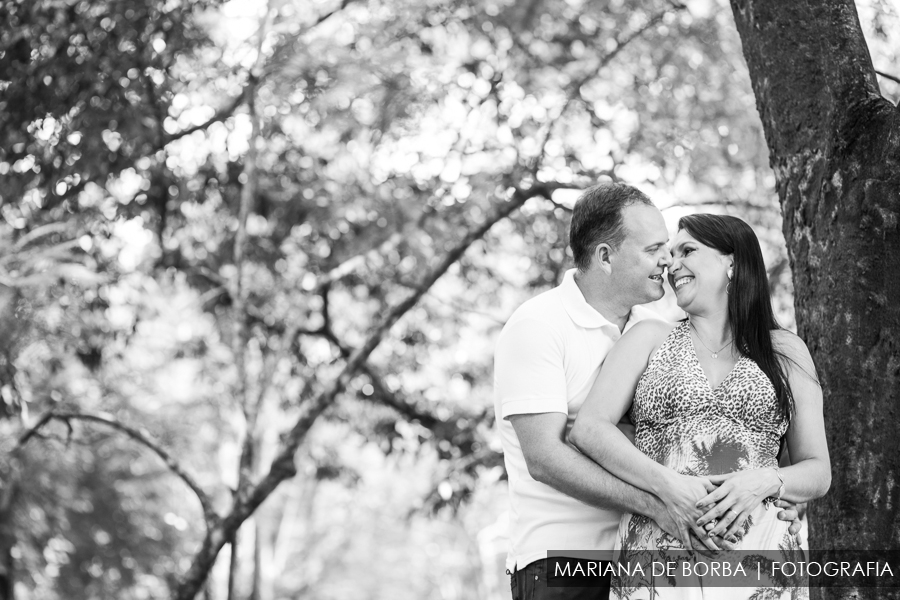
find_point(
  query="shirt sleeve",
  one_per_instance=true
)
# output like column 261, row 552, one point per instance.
column 529, row 373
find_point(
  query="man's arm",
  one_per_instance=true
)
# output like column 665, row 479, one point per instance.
column 595, row 431
column 552, row 461
column 531, row 387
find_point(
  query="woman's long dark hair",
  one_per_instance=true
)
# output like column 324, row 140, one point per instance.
column 749, row 303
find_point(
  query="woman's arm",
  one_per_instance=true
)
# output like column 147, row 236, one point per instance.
column 808, row 478
column 596, row 434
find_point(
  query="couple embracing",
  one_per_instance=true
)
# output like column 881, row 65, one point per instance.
column 621, row 431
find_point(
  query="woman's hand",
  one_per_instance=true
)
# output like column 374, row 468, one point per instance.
column 680, row 494
column 738, row 494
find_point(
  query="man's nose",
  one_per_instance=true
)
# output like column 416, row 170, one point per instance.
column 667, row 258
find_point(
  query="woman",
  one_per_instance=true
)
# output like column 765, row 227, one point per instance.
column 713, row 400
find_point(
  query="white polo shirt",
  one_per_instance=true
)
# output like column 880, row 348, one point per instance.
column 546, row 360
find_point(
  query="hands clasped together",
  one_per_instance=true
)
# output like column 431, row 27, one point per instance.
column 713, row 510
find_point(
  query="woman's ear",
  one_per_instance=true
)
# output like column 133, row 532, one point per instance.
column 729, row 260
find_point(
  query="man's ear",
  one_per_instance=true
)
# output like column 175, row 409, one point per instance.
column 603, row 257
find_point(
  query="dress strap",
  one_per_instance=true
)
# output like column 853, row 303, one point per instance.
column 667, row 348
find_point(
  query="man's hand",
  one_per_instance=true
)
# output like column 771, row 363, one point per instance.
column 680, row 494
column 705, row 545
column 789, row 512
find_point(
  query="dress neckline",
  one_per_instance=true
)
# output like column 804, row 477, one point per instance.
column 686, row 333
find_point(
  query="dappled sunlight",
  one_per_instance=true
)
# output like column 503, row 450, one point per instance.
column 242, row 239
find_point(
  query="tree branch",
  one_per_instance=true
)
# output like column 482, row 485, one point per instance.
column 241, row 335
column 381, row 391
column 355, row 263
column 33, row 431
column 886, row 76
column 284, row 463
column 220, row 115
column 283, row 466
column 36, row 233
column 575, row 88
column 324, row 17
column 733, row 203
column 152, row 97
column 209, row 514
column 475, row 311
column 254, row 80
column 560, row 206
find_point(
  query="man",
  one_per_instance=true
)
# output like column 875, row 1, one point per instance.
column 546, row 360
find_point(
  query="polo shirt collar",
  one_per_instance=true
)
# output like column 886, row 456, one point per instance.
column 582, row 313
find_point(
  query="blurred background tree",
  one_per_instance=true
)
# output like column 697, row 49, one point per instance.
column 225, row 222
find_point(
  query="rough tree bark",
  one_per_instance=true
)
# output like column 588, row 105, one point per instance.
column 834, row 145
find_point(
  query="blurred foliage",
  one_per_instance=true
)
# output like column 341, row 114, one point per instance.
column 386, row 130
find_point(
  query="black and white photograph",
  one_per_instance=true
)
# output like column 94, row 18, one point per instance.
column 449, row 300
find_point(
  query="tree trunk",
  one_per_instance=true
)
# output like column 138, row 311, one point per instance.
column 9, row 487
column 7, row 575
column 259, row 579
column 834, row 145
column 233, row 564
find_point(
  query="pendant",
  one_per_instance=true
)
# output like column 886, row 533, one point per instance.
column 715, row 355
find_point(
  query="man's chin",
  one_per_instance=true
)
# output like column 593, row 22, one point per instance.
column 653, row 295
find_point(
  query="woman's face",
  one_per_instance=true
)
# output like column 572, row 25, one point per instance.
column 699, row 275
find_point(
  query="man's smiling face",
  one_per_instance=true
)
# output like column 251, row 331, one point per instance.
column 639, row 263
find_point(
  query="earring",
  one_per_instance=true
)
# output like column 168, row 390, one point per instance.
column 730, row 273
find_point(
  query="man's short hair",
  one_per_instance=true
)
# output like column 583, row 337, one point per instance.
column 597, row 219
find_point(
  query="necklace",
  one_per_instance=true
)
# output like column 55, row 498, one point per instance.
column 714, row 353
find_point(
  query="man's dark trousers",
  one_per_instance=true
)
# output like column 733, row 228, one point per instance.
column 530, row 583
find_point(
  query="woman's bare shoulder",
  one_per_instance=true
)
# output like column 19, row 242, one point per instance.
column 649, row 334
column 791, row 346
column 788, row 342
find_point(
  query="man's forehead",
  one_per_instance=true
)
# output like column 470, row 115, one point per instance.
column 645, row 221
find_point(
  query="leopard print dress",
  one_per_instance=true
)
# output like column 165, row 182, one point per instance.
column 681, row 422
